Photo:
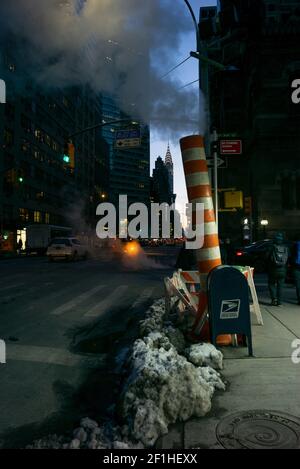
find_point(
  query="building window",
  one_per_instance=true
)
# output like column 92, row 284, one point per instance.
column 37, row 216
column 39, row 135
column 24, row 214
column 47, row 218
column 25, row 146
column 40, row 195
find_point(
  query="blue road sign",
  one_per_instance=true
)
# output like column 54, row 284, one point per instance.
column 128, row 138
column 124, row 134
column 229, row 308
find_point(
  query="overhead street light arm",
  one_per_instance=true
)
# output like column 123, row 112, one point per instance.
column 205, row 59
column 101, row 124
column 194, row 21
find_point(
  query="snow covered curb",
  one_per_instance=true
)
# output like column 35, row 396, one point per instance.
column 164, row 387
column 88, row 436
column 164, row 381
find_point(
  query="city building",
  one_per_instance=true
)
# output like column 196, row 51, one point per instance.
column 250, row 100
column 162, row 181
column 162, row 185
column 129, row 167
column 170, row 168
column 36, row 184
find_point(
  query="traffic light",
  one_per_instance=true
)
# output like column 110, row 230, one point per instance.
column 69, row 155
column 248, row 205
column 20, row 176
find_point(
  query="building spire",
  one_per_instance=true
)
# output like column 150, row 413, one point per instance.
column 168, row 157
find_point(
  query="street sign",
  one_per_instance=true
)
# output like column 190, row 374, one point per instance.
column 233, row 199
column 221, row 163
column 229, row 306
column 231, row 147
column 128, row 138
column 232, row 135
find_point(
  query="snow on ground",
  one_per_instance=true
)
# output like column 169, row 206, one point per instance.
column 165, row 381
column 205, row 355
column 164, row 387
column 154, row 318
column 89, row 435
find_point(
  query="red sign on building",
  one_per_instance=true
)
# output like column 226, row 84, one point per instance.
column 231, row 147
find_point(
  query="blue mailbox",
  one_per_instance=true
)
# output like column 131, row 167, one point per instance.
column 228, row 300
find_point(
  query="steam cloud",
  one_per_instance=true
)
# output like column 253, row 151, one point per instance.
column 117, row 46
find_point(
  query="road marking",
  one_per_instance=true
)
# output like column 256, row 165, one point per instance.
column 145, row 295
column 76, row 301
column 104, row 305
column 10, row 287
column 52, row 356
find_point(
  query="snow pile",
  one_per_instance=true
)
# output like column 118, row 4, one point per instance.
column 164, row 381
column 175, row 336
column 205, row 355
column 88, row 436
column 154, row 318
column 164, row 387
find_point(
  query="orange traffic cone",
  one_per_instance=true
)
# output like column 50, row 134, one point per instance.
column 208, row 257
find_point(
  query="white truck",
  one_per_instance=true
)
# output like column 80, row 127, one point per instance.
column 39, row 236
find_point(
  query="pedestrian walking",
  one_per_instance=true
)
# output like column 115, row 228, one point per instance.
column 19, row 246
column 295, row 259
column 277, row 258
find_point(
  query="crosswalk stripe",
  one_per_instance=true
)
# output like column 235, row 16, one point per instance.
column 76, row 301
column 104, row 305
column 52, row 356
column 11, row 287
column 145, row 295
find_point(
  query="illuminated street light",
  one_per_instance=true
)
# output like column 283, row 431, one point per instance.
column 264, row 222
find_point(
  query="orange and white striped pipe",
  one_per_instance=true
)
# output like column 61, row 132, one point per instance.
column 199, row 191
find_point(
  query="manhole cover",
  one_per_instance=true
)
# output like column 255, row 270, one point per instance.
column 259, row 429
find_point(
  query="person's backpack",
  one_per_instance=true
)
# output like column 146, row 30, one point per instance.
column 297, row 258
column 280, row 255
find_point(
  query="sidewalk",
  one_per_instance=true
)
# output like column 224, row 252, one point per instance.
column 268, row 382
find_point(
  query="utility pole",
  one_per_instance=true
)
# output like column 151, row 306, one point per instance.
column 215, row 160
column 203, row 70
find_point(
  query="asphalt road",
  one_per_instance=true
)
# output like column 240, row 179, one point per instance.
column 47, row 311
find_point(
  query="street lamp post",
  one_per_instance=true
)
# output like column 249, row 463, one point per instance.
column 264, row 223
column 203, row 63
column 202, row 67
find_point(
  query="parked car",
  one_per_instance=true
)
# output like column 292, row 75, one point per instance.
column 67, row 248
column 254, row 255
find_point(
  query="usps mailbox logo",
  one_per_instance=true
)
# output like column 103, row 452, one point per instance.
column 230, row 309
